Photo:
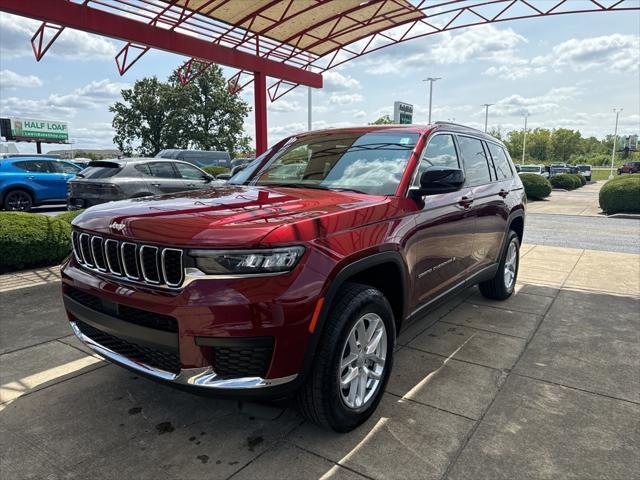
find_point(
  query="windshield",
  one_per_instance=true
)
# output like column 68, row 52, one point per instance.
column 526, row 168
column 371, row 163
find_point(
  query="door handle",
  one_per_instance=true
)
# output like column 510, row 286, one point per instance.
column 30, row 177
column 503, row 193
column 465, row 201
column 155, row 184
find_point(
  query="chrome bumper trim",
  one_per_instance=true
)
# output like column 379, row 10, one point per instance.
column 203, row 377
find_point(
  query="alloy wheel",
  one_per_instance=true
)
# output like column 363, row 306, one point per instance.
column 510, row 265
column 18, row 201
column 362, row 362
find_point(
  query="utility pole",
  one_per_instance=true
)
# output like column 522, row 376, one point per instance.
column 486, row 115
column 431, row 80
column 309, row 110
column 524, row 140
column 615, row 138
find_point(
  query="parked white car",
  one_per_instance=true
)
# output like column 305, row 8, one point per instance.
column 537, row 169
column 585, row 171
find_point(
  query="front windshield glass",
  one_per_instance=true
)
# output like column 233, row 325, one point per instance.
column 529, row 169
column 371, row 163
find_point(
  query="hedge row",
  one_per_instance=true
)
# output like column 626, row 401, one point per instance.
column 621, row 195
column 567, row 181
column 34, row 240
column 215, row 170
column 535, row 186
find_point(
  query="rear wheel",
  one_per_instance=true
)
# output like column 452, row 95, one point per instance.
column 501, row 286
column 18, row 201
column 353, row 360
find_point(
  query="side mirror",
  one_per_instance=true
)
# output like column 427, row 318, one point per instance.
column 518, row 168
column 436, row 180
column 237, row 168
column 209, row 178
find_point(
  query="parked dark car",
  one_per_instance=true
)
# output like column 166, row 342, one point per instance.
column 108, row 180
column 629, row 167
column 199, row 158
column 297, row 281
column 29, row 181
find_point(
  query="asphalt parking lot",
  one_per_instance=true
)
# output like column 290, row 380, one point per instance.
column 544, row 385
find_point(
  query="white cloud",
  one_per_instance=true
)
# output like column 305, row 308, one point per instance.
column 95, row 95
column 284, row 106
column 11, row 80
column 16, row 33
column 336, row 82
column 549, row 102
column 486, row 43
column 514, row 71
column 616, row 52
column 345, row 98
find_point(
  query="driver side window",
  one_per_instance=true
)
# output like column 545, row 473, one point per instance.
column 440, row 152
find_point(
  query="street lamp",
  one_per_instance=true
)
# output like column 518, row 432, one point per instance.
column 615, row 138
column 486, row 115
column 431, row 80
column 524, row 140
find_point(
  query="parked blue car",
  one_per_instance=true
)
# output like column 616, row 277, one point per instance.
column 26, row 182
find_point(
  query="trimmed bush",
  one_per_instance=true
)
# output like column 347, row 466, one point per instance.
column 535, row 186
column 566, row 181
column 621, row 195
column 583, row 181
column 69, row 216
column 216, row 170
column 32, row 240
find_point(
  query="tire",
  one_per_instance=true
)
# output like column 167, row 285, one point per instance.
column 321, row 399
column 501, row 286
column 18, row 201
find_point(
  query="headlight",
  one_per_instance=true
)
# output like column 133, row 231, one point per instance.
column 230, row 262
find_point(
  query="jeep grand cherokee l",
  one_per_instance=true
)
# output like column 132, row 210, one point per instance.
column 296, row 277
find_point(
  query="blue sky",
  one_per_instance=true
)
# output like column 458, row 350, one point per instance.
column 566, row 71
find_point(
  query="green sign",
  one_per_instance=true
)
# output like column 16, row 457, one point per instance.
column 39, row 130
column 402, row 113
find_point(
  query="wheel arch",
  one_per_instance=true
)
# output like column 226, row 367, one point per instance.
column 18, row 186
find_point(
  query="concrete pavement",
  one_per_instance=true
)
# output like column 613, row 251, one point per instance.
column 583, row 201
column 544, row 385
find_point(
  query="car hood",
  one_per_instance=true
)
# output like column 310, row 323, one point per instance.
column 228, row 216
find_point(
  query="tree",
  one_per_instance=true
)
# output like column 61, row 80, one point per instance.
column 216, row 117
column 564, row 142
column 539, row 144
column 383, row 120
column 155, row 115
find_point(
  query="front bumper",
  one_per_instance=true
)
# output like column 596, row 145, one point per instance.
column 209, row 314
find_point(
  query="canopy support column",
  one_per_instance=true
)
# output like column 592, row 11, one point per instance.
column 260, row 103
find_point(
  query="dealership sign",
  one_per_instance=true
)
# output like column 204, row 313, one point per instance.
column 27, row 129
column 402, row 113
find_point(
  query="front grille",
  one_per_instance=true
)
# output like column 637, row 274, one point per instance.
column 143, row 318
column 149, row 264
column 234, row 362
column 167, row 361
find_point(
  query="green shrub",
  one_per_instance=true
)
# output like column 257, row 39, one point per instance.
column 69, row 216
column 620, row 195
column 583, row 181
column 566, row 181
column 32, row 240
column 216, row 170
column 535, row 186
column 579, row 180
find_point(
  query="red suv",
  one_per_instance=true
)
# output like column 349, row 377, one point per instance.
column 629, row 167
column 296, row 277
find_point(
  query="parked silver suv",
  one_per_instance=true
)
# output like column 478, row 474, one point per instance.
column 107, row 180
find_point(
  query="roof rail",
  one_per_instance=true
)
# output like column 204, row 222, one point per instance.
column 439, row 122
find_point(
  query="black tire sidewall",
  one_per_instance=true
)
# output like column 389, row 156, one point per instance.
column 24, row 192
column 343, row 418
column 513, row 237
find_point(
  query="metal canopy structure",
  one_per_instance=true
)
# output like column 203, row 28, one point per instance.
column 292, row 41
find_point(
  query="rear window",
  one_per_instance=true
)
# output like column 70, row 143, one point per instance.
column 101, row 170
column 500, row 162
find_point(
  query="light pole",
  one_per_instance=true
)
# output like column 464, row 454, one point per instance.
column 524, row 140
column 431, row 80
column 309, row 110
column 486, row 115
column 615, row 138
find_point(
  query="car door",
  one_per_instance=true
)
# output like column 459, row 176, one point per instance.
column 42, row 179
column 192, row 178
column 65, row 171
column 487, row 194
column 162, row 177
column 439, row 250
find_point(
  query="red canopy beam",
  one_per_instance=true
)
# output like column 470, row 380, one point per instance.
column 79, row 17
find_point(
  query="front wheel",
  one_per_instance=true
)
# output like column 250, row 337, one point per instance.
column 353, row 360
column 501, row 286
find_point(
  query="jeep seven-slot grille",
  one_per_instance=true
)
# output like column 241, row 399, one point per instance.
column 149, row 264
column 144, row 318
column 167, row 361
